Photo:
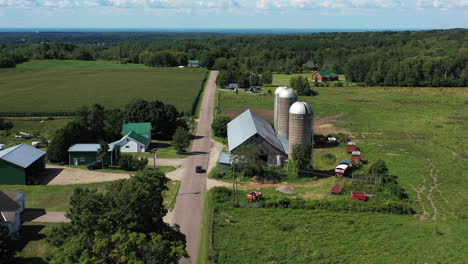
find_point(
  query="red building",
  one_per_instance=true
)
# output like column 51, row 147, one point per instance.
column 324, row 76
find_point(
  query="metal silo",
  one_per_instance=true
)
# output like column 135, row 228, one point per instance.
column 275, row 121
column 286, row 98
column 300, row 125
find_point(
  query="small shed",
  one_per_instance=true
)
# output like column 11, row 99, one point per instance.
column 11, row 207
column 193, row 63
column 351, row 147
column 224, row 160
column 21, row 164
column 83, row 154
column 356, row 156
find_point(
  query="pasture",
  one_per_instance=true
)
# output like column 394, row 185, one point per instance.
column 46, row 88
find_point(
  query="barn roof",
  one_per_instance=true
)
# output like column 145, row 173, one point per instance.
column 247, row 125
column 21, row 155
column 327, row 74
column 140, row 128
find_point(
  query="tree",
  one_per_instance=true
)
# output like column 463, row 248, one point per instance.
column 5, row 125
column 267, row 77
column 96, row 119
column 221, row 64
column 102, row 152
column 5, row 249
column 131, row 163
column 219, row 125
column 122, row 225
column 223, row 79
column 181, row 139
column 300, row 85
column 248, row 160
column 299, row 160
column 74, row 132
column 379, row 168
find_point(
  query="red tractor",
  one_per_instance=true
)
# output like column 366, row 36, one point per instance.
column 254, row 196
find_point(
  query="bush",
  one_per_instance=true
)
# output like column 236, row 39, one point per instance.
column 131, row 163
column 222, row 194
column 339, row 84
column 219, row 125
column 5, row 125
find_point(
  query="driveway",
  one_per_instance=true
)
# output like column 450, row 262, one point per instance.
column 188, row 209
column 40, row 215
column 59, row 175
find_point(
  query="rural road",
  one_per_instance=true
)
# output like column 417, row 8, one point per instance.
column 189, row 204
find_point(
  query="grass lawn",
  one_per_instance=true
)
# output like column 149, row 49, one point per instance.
column 170, row 196
column 250, row 235
column 38, row 127
column 33, row 248
column 63, row 89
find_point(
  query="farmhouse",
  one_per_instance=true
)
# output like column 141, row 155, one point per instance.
column 133, row 142
column 193, row 63
column 143, row 129
column 11, row 207
column 324, row 76
column 83, row 154
column 232, row 86
column 21, row 164
column 248, row 128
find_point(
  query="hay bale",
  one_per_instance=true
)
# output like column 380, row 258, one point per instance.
column 285, row 189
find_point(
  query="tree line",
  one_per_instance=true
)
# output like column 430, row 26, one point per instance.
column 400, row 58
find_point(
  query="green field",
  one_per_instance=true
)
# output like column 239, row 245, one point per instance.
column 248, row 235
column 33, row 248
column 63, row 86
column 419, row 132
column 75, row 64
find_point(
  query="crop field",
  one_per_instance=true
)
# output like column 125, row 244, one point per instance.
column 420, row 133
column 249, row 235
column 46, row 88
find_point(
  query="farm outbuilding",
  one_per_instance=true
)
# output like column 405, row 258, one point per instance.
column 224, row 161
column 21, row 164
column 248, row 128
column 11, row 207
column 193, row 63
column 83, row 154
column 324, row 76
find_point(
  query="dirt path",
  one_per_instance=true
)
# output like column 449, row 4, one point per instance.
column 188, row 208
column 59, row 175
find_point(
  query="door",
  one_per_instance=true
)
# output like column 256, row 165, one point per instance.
column 75, row 161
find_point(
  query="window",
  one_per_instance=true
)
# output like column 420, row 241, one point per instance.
column 127, row 146
column 82, row 159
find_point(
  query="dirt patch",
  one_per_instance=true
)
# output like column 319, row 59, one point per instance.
column 285, row 189
column 326, row 125
column 65, row 175
column 268, row 115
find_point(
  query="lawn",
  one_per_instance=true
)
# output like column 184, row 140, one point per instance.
column 38, row 127
column 33, row 248
column 59, row 89
column 250, row 235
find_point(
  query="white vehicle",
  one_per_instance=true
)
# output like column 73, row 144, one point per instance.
column 36, row 144
column 2, row 146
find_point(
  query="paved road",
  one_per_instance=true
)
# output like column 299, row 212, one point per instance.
column 189, row 204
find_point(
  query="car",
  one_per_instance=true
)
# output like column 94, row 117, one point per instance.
column 94, row 165
column 199, row 169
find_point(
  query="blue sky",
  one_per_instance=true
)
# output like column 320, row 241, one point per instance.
column 349, row 14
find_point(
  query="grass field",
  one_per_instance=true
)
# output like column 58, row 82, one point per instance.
column 64, row 86
column 420, row 133
column 33, row 248
column 249, row 235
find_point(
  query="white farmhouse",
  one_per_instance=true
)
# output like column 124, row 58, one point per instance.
column 133, row 142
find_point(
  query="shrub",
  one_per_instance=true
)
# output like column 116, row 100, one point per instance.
column 339, row 84
column 222, row 194
column 219, row 125
column 131, row 163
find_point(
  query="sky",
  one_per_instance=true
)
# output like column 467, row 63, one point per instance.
column 235, row 14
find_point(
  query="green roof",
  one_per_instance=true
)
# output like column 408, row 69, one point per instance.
column 139, row 138
column 139, row 128
column 327, row 74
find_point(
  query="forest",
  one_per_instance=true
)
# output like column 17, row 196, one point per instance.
column 437, row 58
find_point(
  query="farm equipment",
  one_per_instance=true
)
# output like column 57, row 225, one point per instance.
column 352, row 147
column 337, row 188
column 254, row 196
column 356, row 156
column 343, row 169
column 360, row 196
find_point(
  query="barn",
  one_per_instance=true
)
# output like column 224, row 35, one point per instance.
column 83, row 154
column 133, row 143
column 324, row 76
column 248, row 128
column 21, row 164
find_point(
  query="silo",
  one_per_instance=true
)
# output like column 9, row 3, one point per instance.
column 275, row 121
column 300, row 125
column 286, row 98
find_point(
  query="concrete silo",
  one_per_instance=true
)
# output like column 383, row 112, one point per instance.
column 300, row 126
column 286, row 98
column 275, row 121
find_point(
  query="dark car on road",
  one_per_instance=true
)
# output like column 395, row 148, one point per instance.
column 199, row 169
column 94, row 165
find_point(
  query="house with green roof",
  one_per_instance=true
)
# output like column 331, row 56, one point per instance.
column 144, row 129
column 193, row 63
column 324, row 76
column 133, row 143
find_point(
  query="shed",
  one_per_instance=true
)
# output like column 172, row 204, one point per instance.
column 83, row 154
column 133, row 143
column 356, row 156
column 11, row 207
column 249, row 128
column 193, row 63
column 143, row 129
column 224, row 160
column 21, row 164
column 351, row 147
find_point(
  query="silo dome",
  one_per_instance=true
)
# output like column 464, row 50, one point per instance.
column 287, row 93
column 300, row 108
column 286, row 98
column 279, row 89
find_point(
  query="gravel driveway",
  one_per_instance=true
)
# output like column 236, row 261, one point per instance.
column 59, row 175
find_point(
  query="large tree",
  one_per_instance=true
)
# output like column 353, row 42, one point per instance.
column 181, row 139
column 74, row 132
column 219, row 125
column 6, row 252
column 122, row 225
